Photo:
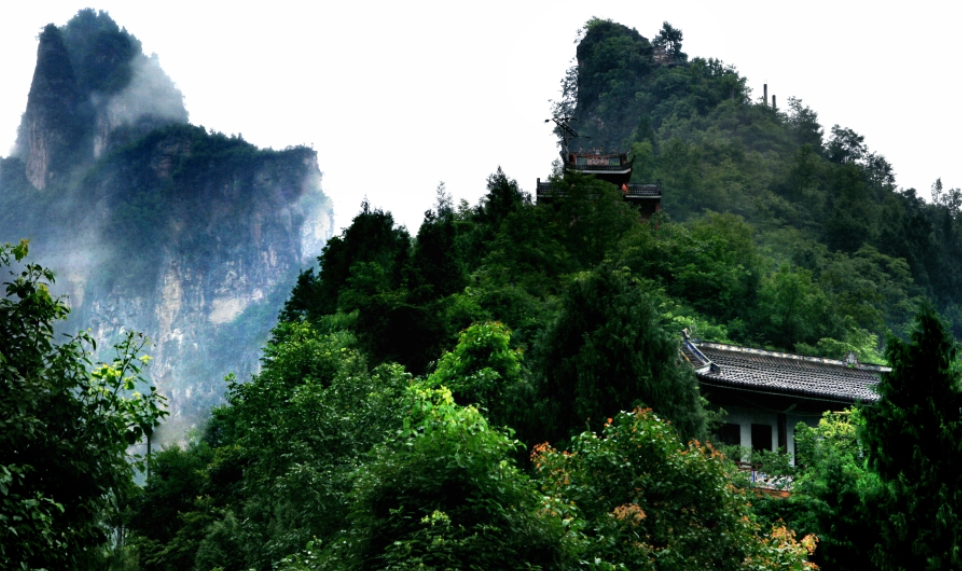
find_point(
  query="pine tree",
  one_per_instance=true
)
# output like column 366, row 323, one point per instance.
column 607, row 352
column 914, row 437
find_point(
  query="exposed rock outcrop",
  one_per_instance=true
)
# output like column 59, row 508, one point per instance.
column 51, row 129
column 152, row 224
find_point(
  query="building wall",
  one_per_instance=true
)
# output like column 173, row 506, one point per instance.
column 745, row 417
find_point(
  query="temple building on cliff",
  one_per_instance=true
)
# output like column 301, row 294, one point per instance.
column 614, row 168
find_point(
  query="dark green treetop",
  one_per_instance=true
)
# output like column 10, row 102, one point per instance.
column 670, row 38
column 607, row 352
column 914, row 438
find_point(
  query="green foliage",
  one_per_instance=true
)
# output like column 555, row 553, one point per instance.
column 712, row 264
column 606, row 352
column 282, row 457
column 100, row 52
column 528, row 253
column 836, row 492
column 776, row 238
column 65, row 427
column 644, row 500
column 159, row 514
column 435, row 267
column 371, row 237
column 485, row 371
column 617, row 82
column 912, row 439
column 612, row 60
column 591, row 218
column 443, row 494
column 503, row 198
column 713, row 150
column 670, row 39
column 795, row 308
column 479, row 226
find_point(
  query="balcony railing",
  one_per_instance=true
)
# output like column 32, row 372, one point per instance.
column 772, row 485
column 614, row 168
column 643, row 190
column 635, row 190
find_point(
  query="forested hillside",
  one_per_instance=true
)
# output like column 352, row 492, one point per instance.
column 457, row 398
column 817, row 198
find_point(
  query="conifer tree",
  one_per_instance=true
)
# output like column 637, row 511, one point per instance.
column 914, row 437
column 607, row 352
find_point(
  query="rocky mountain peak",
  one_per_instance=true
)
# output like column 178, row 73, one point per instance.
column 93, row 90
column 152, row 224
column 50, row 130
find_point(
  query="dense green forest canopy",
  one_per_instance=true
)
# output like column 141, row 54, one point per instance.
column 457, row 398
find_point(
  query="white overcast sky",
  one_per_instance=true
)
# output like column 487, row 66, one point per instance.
column 398, row 96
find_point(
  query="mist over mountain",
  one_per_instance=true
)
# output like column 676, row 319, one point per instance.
column 152, row 224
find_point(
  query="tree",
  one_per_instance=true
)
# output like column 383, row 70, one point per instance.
column 528, row 252
column 711, row 262
column 851, row 218
column 65, row 428
column 435, row 270
column 804, row 123
column 834, row 492
column 483, row 370
column 282, row 457
column 371, row 238
column 606, row 352
column 644, row 500
column 846, row 146
column 444, row 494
column 792, row 309
column 591, row 217
column 951, row 199
column 670, row 38
column 161, row 515
column 914, row 439
column 613, row 63
column 503, row 198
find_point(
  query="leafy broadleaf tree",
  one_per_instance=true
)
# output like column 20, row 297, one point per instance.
column 834, row 492
column 914, row 438
column 444, row 494
column 484, row 370
column 644, row 500
column 282, row 456
column 65, row 428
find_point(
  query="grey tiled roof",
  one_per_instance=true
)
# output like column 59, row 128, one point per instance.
column 782, row 373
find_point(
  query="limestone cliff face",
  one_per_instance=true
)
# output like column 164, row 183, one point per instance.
column 50, row 132
column 154, row 225
column 202, row 253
